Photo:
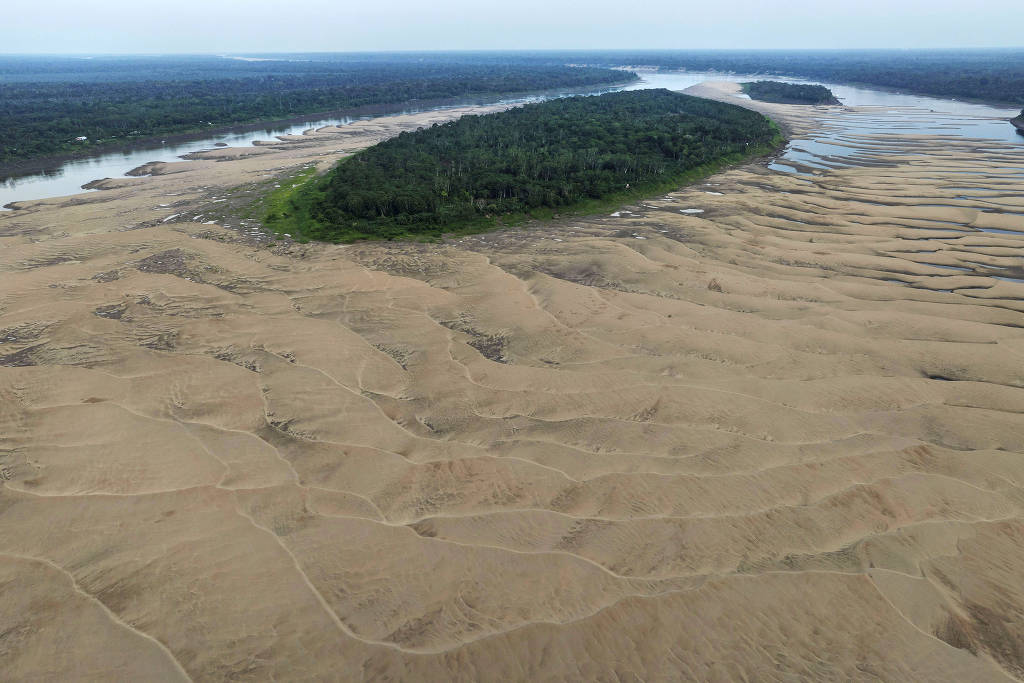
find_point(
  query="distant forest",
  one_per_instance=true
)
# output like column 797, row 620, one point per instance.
column 991, row 75
column 550, row 156
column 117, row 100
column 789, row 93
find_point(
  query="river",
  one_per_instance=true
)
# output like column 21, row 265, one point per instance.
column 895, row 112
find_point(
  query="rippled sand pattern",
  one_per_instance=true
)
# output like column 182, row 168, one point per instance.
column 777, row 439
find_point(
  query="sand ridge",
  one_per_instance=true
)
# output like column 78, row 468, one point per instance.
column 779, row 438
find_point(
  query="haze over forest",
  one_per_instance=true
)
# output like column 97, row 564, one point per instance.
column 199, row 26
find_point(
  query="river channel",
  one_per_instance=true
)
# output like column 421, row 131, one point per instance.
column 893, row 112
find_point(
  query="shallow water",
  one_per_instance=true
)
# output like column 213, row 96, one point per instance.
column 902, row 114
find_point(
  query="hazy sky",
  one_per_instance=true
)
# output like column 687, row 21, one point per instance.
column 217, row 26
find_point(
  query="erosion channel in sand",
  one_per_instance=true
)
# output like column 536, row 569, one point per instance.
column 766, row 426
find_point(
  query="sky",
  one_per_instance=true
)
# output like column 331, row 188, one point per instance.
column 239, row 26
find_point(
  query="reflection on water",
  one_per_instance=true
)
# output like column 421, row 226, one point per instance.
column 834, row 147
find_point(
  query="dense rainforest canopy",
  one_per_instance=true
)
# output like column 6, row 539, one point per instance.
column 553, row 155
column 789, row 93
column 116, row 100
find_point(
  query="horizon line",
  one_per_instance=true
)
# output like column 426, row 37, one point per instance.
column 640, row 50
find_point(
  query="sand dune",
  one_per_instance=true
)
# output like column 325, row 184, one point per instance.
column 778, row 438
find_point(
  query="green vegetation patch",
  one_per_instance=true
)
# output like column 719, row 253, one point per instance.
column 789, row 93
column 577, row 154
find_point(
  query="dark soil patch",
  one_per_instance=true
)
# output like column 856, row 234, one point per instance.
column 491, row 346
column 112, row 312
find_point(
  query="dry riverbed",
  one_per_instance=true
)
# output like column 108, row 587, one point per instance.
column 770, row 426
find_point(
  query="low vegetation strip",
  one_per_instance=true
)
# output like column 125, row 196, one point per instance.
column 789, row 93
column 571, row 154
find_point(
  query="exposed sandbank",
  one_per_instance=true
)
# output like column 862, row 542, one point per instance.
column 779, row 438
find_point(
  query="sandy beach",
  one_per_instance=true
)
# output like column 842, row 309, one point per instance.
column 767, row 427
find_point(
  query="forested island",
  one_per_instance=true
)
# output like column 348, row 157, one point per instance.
column 70, row 106
column 561, row 155
column 789, row 93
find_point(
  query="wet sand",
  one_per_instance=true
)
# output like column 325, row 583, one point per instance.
column 767, row 427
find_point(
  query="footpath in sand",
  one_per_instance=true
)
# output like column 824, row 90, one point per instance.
column 767, row 427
